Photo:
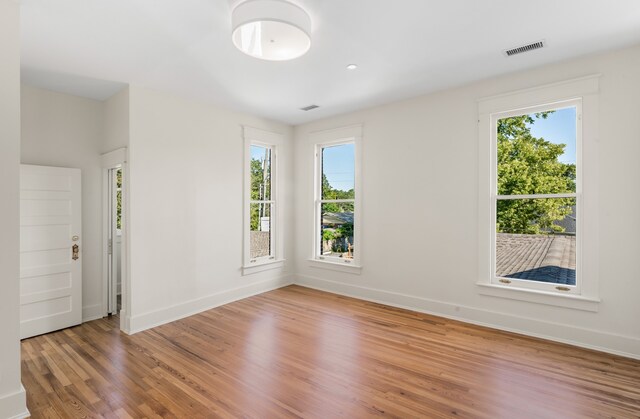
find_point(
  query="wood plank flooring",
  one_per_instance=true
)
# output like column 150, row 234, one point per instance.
column 296, row 352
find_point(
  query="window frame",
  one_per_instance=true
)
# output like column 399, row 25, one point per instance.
column 275, row 259
column 532, row 284
column 586, row 90
column 340, row 136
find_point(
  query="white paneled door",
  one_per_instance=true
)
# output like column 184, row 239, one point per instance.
column 50, row 249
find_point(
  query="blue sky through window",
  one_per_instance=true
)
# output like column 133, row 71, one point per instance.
column 559, row 128
column 338, row 165
column 257, row 152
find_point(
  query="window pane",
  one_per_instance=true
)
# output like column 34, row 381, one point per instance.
column 260, row 232
column 536, row 240
column 338, row 172
column 336, row 230
column 260, row 173
column 119, row 199
column 119, row 209
column 537, row 153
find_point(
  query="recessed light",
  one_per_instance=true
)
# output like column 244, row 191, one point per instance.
column 352, row 66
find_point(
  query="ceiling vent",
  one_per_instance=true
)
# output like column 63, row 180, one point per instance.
column 524, row 48
column 309, row 108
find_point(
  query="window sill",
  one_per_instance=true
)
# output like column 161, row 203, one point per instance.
column 577, row 302
column 335, row 266
column 262, row 266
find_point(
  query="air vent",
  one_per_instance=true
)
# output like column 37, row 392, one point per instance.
column 309, row 108
column 524, row 48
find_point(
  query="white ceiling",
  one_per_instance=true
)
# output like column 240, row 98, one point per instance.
column 403, row 48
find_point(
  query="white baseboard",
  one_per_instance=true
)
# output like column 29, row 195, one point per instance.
column 92, row 312
column 627, row 346
column 151, row 319
column 14, row 405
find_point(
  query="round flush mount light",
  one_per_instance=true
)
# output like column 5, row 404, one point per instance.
column 352, row 66
column 274, row 30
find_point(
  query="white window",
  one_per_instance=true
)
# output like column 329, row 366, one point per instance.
column 261, row 226
column 537, row 201
column 337, row 197
column 536, row 242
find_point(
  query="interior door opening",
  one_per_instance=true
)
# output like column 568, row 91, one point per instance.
column 114, row 264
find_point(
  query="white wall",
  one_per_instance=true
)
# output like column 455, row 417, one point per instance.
column 12, row 396
column 116, row 122
column 185, row 223
column 67, row 131
column 420, row 205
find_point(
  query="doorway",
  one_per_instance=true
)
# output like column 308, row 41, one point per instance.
column 114, row 244
column 114, row 254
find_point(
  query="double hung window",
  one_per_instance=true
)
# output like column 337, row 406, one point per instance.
column 337, row 197
column 536, row 197
column 538, row 201
column 262, row 215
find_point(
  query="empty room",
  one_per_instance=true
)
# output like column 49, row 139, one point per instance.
column 320, row 209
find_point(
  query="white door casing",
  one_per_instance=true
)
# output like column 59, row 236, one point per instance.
column 50, row 225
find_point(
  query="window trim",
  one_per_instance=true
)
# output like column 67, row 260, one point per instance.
column 273, row 141
column 585, row 89
column 346, row 135
column 271, row 202
column 531, row 284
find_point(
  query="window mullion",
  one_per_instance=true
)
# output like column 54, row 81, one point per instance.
column 537, row 196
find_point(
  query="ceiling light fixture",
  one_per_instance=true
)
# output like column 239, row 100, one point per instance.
column 352, row 66
column 273, row 30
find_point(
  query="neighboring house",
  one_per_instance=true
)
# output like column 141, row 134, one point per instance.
column 568, row 222
column 537, row 257
column 335, row 219
column 332, row 221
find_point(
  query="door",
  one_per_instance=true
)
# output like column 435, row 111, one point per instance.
column 50, row 249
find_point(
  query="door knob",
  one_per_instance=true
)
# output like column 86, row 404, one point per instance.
column 75, row 250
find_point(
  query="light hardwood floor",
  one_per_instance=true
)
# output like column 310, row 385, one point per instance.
column 297, row 352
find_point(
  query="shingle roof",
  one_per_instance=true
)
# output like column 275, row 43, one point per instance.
column 337, row 218
column 545, row 258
